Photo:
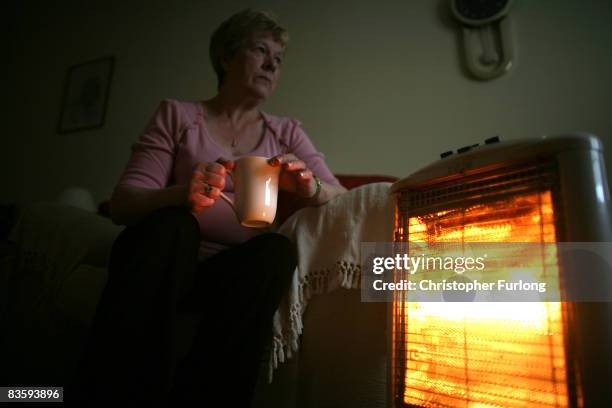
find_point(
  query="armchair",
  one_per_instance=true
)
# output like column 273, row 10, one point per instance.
column 59, row 271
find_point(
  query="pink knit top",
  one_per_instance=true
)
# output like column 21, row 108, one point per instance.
column 176, row 139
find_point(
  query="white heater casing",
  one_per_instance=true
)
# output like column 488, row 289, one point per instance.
column 585, row 203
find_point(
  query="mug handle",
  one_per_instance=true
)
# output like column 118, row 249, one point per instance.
column 227, row 199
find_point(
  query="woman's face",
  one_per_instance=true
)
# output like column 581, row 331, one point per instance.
column 255, row 68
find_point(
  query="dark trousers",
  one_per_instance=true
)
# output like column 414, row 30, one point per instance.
column 154, row 275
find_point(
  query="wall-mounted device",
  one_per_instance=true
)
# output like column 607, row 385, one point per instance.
column 487, row 36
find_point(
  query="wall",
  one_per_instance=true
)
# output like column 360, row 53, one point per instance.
column 378, row 86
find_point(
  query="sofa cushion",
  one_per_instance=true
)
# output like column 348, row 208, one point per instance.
column 66, row 235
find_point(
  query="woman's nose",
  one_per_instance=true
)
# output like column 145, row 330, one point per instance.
column 270, row 64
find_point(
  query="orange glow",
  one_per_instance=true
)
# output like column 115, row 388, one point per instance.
column 486, row 354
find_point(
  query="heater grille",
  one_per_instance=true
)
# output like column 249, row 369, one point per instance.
column 483, row 354
column 479, row 188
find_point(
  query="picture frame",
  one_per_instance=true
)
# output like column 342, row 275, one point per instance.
column 85, row 95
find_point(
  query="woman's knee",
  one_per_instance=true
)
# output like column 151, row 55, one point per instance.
column 163, row 223
column 173, row 219
column 276, row 248
column 168, row 232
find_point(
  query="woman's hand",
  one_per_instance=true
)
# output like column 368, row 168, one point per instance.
column 207, row 182
column 295, row 177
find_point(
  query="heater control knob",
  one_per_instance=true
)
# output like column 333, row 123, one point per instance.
column 466, row 148
column 446, row 154
column 491, row 140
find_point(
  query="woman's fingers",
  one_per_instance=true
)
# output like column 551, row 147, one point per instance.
column 216, row 168
column 200, row 187
column 275, row 161
column 305, row 182
column 295, row 176
column 198, row 202
column 198, row 197
column 214, row 180
column 294, row 165
column 227, row 164
column 211, row 192
column 202, row 196
column 207, row 182
column 288, row 161
column 282, row 159
column 210, row 173
column 304, row 177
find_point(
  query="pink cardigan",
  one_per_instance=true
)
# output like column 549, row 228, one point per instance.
column 176, row 139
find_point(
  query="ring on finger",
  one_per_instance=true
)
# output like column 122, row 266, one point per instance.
column 207, row 188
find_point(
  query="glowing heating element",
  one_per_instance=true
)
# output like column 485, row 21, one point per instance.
column 485, row 354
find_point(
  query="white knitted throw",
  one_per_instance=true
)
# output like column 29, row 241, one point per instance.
column 328, row 239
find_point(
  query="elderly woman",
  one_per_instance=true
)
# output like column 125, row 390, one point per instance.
column 184, row 250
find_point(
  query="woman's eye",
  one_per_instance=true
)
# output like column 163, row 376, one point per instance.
column 278, row 60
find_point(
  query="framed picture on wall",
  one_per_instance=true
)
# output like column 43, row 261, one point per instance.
column 85, row 95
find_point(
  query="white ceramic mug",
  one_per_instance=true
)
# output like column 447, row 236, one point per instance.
column 255, row 191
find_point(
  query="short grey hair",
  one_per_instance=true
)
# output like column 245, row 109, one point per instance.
column 233, row 32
